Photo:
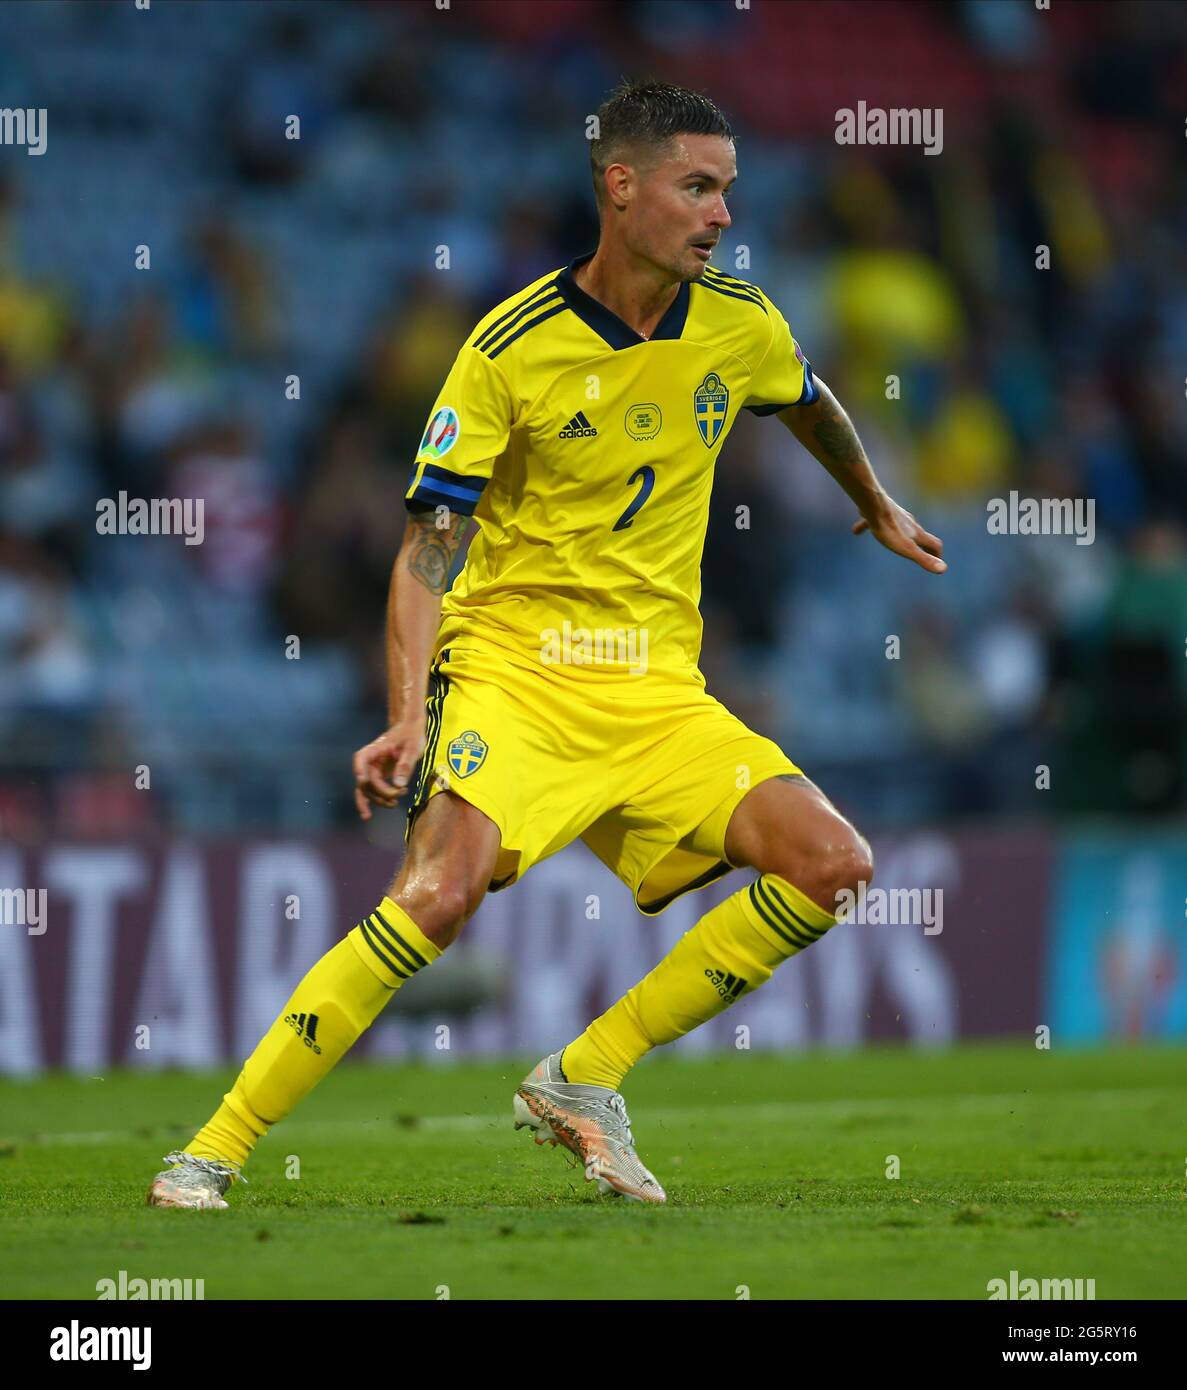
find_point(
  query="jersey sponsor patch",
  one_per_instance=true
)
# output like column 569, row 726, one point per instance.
column 644, row 421
column 442, row 433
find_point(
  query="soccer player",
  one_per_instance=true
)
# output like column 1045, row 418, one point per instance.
column 553, row 693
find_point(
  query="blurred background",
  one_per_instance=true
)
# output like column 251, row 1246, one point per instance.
column 316, row 257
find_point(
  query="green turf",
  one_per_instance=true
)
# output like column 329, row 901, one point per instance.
column 1058, row 1164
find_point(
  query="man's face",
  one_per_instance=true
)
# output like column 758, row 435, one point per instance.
column 676, row 210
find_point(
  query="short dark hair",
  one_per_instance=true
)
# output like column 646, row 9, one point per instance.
column 648, row 113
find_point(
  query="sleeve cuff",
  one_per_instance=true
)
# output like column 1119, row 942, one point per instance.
column 809, row 395
column 438, row 487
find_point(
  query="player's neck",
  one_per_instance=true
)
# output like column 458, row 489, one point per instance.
column 637, row 292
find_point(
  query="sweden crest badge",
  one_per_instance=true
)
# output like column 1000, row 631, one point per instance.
column 467, row 753
column 710, row 402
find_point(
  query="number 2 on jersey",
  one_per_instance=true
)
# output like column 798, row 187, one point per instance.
column 646, row 474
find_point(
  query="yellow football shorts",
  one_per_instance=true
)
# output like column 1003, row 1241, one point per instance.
column 647, row 771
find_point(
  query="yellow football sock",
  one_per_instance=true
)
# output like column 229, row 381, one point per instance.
column 336, row 1002
column 732, row 950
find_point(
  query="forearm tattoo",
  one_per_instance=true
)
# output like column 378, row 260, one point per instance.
column 433, row 551
column 837, row 438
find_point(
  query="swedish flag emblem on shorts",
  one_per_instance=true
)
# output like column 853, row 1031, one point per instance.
column 710, row 403
column 466, row 753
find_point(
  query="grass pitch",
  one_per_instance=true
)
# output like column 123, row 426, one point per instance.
column 1062, row 1164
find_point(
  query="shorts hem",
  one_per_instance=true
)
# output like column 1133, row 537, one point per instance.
column 480, row 803
column 724, row 865
column 653, row 909
column 736, row 797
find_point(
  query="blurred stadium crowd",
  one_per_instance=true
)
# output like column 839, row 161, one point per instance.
column 422, row 129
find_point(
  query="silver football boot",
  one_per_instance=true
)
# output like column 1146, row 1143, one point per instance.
column 194, row 1182
column 591, row 1122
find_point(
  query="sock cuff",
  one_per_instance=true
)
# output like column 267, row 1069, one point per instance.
column 409, row 930
column 782, row 908
column 392, row 945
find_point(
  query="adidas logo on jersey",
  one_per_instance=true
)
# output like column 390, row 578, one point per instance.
column 727, row 985
column 578, row 428
column 305, row 1026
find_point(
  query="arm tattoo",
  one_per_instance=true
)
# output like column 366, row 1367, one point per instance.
column 838, row 439
column 433, row 552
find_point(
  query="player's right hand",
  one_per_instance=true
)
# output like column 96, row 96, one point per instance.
column 383, row 768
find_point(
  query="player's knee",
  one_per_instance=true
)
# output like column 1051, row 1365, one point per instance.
column 844, row 867
column 850, row 866
column 438, row 906
column 452, row 904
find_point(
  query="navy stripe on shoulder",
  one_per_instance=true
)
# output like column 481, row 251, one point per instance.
column 520, row 307
column 719, row 277
column 734, row 294
column 550, row 311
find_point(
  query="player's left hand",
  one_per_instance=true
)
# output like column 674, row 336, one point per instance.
column 898, row 530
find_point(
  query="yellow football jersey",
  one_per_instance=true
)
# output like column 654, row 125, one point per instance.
column 586, row 453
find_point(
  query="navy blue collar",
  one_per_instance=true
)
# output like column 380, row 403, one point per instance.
column 606, row 324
